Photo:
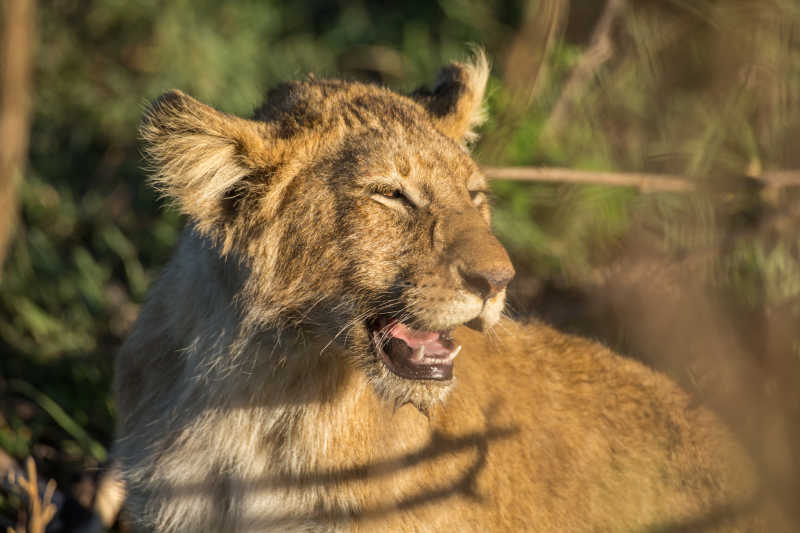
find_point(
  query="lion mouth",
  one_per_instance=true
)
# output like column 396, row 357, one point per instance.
column 413, row 353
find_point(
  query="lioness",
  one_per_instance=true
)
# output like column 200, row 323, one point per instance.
column 325, row 351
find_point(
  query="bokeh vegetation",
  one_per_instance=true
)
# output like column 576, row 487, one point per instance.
column 705, row 286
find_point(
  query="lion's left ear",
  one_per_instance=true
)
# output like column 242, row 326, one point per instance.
column 456, row 102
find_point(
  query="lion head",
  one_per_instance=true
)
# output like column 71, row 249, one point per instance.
column 351, row 213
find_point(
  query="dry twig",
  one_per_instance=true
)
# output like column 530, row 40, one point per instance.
column 525, row 69
column 41, row 510
column 526, row 62
column 600, row 50
column 643, row 181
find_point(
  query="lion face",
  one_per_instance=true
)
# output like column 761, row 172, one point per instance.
column 418, row 258
column 356, row 213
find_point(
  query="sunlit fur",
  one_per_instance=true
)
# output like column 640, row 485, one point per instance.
column 250, row 398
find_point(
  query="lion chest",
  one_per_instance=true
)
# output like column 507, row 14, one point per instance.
column 358, row 464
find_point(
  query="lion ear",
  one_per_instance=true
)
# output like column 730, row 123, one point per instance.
column 456, row 102
column 198, row 155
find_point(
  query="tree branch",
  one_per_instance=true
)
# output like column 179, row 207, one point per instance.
column 16, row 61
column 643, row 181
column 600, row 50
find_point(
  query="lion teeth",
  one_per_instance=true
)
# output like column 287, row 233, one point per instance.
column 420, row 358
column 419, row 354
column 454, row 353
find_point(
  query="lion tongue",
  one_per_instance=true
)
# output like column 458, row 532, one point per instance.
column 415, row 354
column 430, row 340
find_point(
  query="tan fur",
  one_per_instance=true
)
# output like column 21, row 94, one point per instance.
column 249, row 398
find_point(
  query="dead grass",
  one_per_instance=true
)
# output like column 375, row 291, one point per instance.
column 40, row 507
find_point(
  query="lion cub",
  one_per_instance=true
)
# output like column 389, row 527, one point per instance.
column 314, row 356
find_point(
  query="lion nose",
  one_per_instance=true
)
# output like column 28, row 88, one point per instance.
column 487, row 283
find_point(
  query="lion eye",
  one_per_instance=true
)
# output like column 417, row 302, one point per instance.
column 392, row 197
column 395, row 195
column 477, row 197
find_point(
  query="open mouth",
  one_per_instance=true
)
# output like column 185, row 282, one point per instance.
column 413, row 353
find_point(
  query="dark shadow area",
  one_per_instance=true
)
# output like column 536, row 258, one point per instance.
column 439, row 446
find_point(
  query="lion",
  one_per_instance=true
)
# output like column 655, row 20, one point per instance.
column 326, row 350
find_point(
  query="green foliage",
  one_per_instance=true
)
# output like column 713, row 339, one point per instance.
column 764, row 276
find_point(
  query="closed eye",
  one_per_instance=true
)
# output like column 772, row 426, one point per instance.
column 392, row 197
column 479, row 197
column 396, row 194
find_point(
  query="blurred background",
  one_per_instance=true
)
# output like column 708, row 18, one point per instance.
column 653, row 201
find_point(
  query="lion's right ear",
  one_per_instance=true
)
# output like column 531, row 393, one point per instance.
column 456, row 102
column 198, row 155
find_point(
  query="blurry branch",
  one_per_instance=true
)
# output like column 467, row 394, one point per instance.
column 600, row 50
column 780, row 178
column 41, row 510
column 16, row 47
column 642, row 181
column 8, row 469
column 526, row 68
column 526, row 61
